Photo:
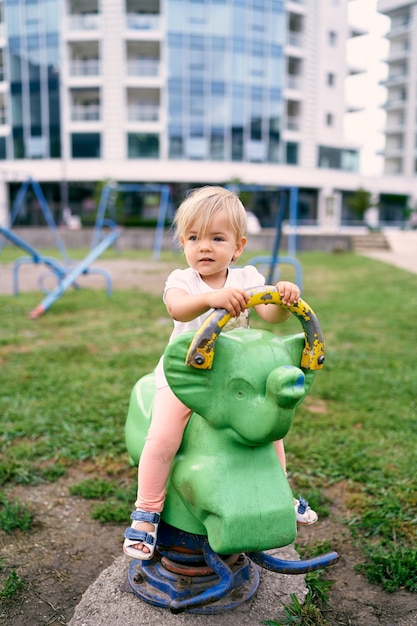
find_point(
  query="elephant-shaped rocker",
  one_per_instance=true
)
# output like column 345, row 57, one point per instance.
column 228, row 498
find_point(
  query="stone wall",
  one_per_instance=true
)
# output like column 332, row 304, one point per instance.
column 144, row 239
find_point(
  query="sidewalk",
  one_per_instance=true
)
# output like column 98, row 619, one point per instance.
column 402, row 252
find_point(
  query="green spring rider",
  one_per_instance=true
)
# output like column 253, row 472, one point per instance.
column 228, row 499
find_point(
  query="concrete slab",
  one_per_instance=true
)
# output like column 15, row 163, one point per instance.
column 105, row 602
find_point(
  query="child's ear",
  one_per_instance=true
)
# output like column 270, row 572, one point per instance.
column 240, row 244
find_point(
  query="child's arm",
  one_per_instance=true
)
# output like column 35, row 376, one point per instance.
column 185, row 307
column 289, row 293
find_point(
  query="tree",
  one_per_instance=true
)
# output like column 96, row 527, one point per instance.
column 360, row 202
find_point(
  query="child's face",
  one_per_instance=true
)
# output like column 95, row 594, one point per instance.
column 211, row 253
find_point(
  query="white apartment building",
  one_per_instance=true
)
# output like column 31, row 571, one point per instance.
column 184, row 93
column 401, row 106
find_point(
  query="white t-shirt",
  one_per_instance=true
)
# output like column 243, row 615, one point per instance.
column 189, row 280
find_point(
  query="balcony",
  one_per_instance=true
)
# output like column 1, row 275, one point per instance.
column 3, row 58
column 296, row 6
column 84, row 67
column 83, row 21
column 395, row 103
column 396, row 78
column 143, row 67
column 399, row 26
column 394, row 147
column 143, row 112
column 393, row 165
column 85, row 113
column 356, row 31
column 143, row 21
column 354, row 70
column 398, row 54
column 293, row 123
column 393, row 153
column 295, row 39
column 294, row 82
column 394, row 126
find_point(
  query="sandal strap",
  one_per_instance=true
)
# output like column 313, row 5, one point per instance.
column 140, row 536
column 145, row 516
column 302, row 506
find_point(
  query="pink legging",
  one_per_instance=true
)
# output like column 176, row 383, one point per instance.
column 169, row 419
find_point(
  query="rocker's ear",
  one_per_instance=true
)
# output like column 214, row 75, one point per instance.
column 295, row 346
column 192, row 386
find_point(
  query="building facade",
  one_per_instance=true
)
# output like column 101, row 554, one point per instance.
column 179, row 92
column 401, row 105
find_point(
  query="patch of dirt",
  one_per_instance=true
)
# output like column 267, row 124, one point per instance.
column 149, row 275
column 353, row 600
column 66, row 550
column 59, row 557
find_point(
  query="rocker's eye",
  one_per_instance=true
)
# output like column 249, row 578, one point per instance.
column 240, row 389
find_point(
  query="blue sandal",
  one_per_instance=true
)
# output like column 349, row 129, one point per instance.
column 304, row 514
column 147, row 538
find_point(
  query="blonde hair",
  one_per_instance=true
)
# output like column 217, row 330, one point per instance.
column 205, row 204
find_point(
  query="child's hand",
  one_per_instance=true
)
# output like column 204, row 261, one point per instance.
column 232, row 299
column 289, row 292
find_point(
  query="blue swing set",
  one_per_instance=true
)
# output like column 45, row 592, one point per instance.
column 65, row 272
column 288, row 197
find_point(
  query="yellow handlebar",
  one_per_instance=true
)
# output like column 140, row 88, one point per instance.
column 201, row 351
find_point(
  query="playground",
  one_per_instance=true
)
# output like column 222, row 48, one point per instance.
column 126, row 274
column 60, row 272
column 86, row 353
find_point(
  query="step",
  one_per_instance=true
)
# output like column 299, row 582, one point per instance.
column 370, row 241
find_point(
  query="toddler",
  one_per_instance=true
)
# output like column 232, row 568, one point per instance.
column 211, row 226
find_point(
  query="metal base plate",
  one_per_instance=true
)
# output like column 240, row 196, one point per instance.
column 152, row 582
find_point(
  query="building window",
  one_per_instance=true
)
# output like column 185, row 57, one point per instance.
column 338, row 159
column 143, row 146
column 237, row 144
column 3, row 154
column 332, row 38
column 33, row 70
column 291, row 150
column 223, row 118
column 86, row 145
column 274, row 140
column 217, row 145
column 175, row 142
column 331, row 79
column 329, row 119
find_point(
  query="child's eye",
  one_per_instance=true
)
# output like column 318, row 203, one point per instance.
column 218, row 238
column 192, row 238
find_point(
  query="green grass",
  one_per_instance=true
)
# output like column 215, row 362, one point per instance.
column 11, row 585
column 13, row 515
column 65, row 381
column 116, row 498
column 312, row 611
